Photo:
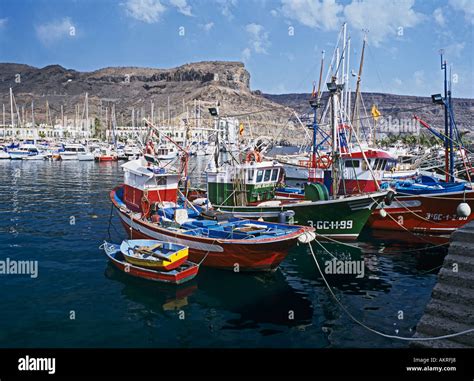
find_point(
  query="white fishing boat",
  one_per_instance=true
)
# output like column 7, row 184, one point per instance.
column 166, row 152
column 132, row 151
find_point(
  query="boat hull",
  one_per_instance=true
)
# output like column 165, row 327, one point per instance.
column 435, row 213
column 178, row 276
column 105, row 158
column 229, row 254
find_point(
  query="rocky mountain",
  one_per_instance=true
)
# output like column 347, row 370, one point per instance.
column 178, row 90
column 137, row 88
column 396, row 110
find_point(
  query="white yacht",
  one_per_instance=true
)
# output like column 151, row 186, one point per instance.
column 75, row 152
column 24, row 151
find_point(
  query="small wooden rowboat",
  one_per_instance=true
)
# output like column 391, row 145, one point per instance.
column 184, row 273
column 154, row 254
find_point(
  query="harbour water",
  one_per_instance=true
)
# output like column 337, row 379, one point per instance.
column 57, row 213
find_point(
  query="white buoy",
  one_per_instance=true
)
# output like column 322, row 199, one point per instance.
column 463, row 210
column 383, row 213
column 307, row 237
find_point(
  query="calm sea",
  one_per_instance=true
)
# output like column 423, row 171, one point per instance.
column 57, row 213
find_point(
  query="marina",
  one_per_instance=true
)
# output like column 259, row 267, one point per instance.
column 252, row 308
column 222, row 182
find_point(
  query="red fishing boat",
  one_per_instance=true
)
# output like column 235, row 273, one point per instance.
column 105, row 154
column 440, row 213
column 148, row 207
column 428, row 204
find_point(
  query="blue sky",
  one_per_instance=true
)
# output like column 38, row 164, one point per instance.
column 404, row 37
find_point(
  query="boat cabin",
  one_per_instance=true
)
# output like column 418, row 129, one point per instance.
column 243, row 184
column 145, row 183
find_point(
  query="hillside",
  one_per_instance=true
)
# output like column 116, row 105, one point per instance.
column 227, row 82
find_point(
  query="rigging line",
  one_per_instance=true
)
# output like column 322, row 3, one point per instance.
column 372, row 329
column 376, row 68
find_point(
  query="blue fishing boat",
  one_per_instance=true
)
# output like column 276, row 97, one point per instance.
column 426, row 185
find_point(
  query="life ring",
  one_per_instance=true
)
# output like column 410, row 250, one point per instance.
column 145, row 205
column 323, row 162
column 253, row 156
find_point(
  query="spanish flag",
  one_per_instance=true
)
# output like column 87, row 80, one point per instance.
column 241, row 129
column 375, row 112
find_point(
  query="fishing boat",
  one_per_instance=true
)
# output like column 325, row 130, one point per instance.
column 249, row 189
column 158, row 255
column 426, row 204
column 166, row 152
column 148, row 206
column 362, row 172
column 105, row 154
column 184, row 273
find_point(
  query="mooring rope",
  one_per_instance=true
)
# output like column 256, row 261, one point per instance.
column 378, row 252
column 372, row 329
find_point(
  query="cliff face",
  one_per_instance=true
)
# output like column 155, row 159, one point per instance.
column 131, row 87
column 207, row 82
column 396, row 107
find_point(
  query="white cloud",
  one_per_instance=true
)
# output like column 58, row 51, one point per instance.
column 274, row 12
column 246, row 53
column 398, row 81
column 455, row 49
column 466, row 6
column 207, row 27
column 183, row 7
column 439, row 16
column 322, row 14
column 3, row 23
column 54, row 31
column 226, row 7
column 148, row 11
column 258, row 38
column 383, row 18
column 419, row 77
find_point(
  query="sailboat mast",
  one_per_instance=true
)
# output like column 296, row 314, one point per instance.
column 12, row 120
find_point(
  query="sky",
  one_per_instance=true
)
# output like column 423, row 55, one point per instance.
column 280, row 41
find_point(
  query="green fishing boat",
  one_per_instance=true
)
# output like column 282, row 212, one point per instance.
column 247, row 190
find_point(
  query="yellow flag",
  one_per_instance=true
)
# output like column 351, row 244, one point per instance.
column 375, row 112
column 241, row 129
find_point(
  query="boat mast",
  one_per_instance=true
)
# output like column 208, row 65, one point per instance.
column 335, row 90
column 12, row 120
column 315, row 103
column 4, row 126
column 451, row 123
column 87, row 113
column 355, row 109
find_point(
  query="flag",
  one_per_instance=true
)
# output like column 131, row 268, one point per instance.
column 375, row 112
column 313, row 93
column 241, row 129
